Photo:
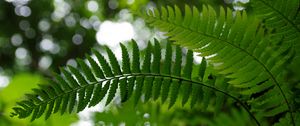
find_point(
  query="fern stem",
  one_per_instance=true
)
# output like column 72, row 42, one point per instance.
column 153, row 75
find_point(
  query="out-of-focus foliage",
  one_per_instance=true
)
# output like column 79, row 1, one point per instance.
column 155, row 113
column 44, row 28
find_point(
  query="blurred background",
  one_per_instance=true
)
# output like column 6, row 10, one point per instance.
column 39, row 36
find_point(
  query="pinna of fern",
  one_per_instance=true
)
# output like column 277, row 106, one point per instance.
column 238, row 47
column 75, row 89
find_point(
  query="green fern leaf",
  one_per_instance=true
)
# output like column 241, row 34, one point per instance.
column 81, row 95
column 95, row 67
column 135, row 58
column 56, row 87
column 81, row 80
column 96, row 99
column 125, row 60
column 220, row 98
column 105, row 66
column 50, row 109
column 112, row 91
column 41, row 111
column 187, row 86
column 113, row 61
column 146, row 69
column 156, row 69
column 176, row 72
column 123, row 88
column 196, row 91
column 35, row 113
column 48, row 90
column 64, row 105
column 282, row 16
column 147, row 60
column 64, row 85
column 135, row 67
column 207, row 92
column 148, row 87
column 88, row 95
column 43, row 95
column 236, row 43
column 86, row 70
column 74, row 90
column 104, row 91
column 139, row 87
column 72, row 101
column 166, row 70
column 71, row 81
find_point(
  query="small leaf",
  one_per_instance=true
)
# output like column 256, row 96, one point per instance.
column 72, row 101
column 187, row 86
column 95, row 68
column 148, row 83
column 113, row 61
column 112, row 91
column 86, row 70
column 50, row 109
column 70, row 79
column 135, row 58
column 125, row 60
column 95, row 97
column 65, row 102
column 139, row 87
column 78, row 76
column 105, row 66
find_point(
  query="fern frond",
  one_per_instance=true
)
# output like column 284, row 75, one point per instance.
column 282, row 16
column 237, row 46
column 78, row 88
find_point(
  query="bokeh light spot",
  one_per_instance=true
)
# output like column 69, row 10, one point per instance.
column 92, row 6
column 4, row 81
column 77, row 39
column 44, row 25
column 21, row 53
column 16, row 40
column 24, row 11
column 113, row 4
column 46, row 45
column 45, row 62
column 24, row 25
column 72, row 62
column 111, row 33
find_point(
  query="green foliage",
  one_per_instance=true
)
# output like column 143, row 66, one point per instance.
column 239, row 48
column 282, row 16
column 287, row 119
column 75, row 89
column 236, row 117
column 245, row 57
column 20, row 84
